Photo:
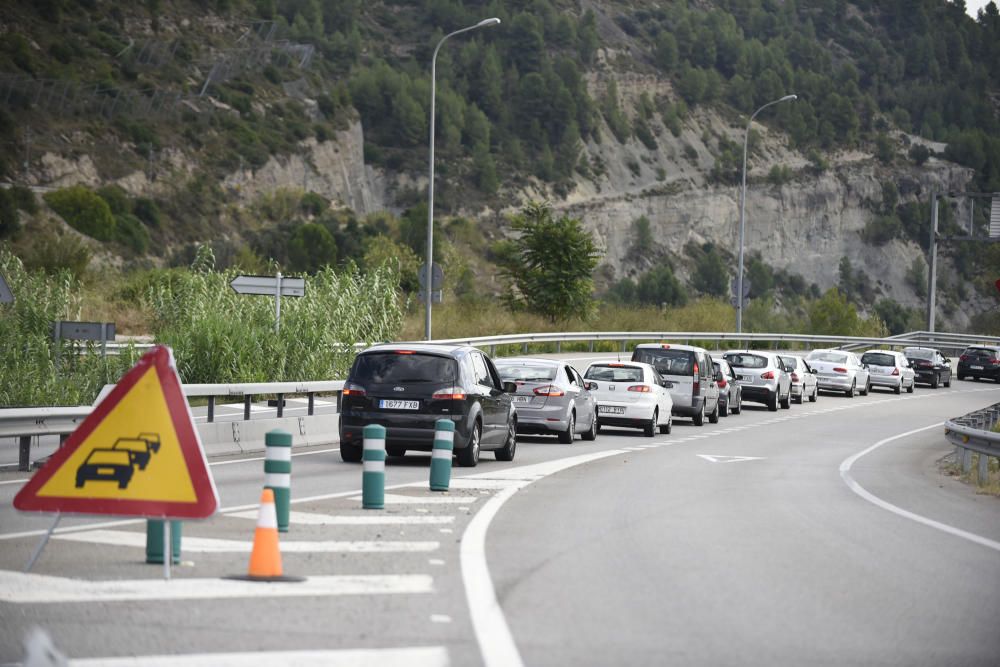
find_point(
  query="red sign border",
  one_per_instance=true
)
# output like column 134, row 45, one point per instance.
column 160, row 359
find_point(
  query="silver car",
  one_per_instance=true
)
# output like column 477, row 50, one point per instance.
column 839, row 370
column 889, row 369
column 763, row 377
column 551, row 398
column 690, row 377
column 803, row 378
column 730, row 390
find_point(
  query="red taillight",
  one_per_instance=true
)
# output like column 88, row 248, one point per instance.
column 795, row 377
column 696, row 381
column 768, row 375
column 404, row 351
column 964, row 357
column 839, row 370
column 549, row 390
column 994, row 362
column 895, row 371
column 722, row 384
column 351, row 389
column 665, row 346
column 449, row 394
column 641, row 388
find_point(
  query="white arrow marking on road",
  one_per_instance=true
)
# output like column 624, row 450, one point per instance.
column 17, row 587
column 713, row 458
column 123, row 538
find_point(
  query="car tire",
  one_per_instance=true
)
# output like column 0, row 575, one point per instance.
column 666, row 428
column 772, row 402
column 591, row 434
column 468, row 456
column 738, row 408
column 699, row 419
column 566, row 437
column 395, row 450
column 947, row 383
column 650, row 428
column 898, row 389
column 724, row 409
column 350, row 453
column 799, row 399
column 868, row 387
column 506, row 453
column 814, row 395
column 850, row 392
column 909, row 390
column 960, row 377
column 714, row 417
column 786, row 402
column 934, row 382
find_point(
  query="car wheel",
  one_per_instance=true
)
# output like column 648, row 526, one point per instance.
column 909, row 390
column 800, row 398
column 786, row 402
column 772, row 402
column 960, row 377
column 506, row 453
column 850, row 392
column 591, row 433
column 934, row 382
column 566, row 437
column 814, row 395
column 738, row 408
column 468, row 456
column 947, row 383
column 899, row 387
column 350, row 453
column 666, row 428
column 395, row 450
column 699, row 419
column 868, row 386
column 650, row 428
column 724, row 409
column 714, row 417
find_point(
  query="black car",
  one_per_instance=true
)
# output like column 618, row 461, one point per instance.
column 929, row 366
column 406, row 388
column 980, row 361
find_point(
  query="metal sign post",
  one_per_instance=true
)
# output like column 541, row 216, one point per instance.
column 276, row 286
column 96, row 331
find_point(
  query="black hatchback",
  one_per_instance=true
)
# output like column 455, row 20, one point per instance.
column 408, row 387
column 980, row 361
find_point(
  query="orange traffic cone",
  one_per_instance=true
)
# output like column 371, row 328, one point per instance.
column 265, row 558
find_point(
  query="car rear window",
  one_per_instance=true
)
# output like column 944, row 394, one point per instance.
column 981, row 352
column 525, row 372
column 393, row 367
column 830, row 357
column 920, row 354
column 791, row 363
column 878, row 359
column 614, row 373
column 747, row 360
column 666, row 362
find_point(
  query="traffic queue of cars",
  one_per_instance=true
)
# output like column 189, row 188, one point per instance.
column 408, row 387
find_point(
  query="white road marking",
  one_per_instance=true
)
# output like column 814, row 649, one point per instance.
column 312, row 519
column 440, row 618
column 436, row 561
column 447, row 530
column 845, row 474
column 716, row 458
column 399, row 499
column 421, row 656
column 121, row 538
column 21, row 588
column 492, row 632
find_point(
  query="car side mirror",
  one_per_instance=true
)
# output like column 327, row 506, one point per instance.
column 813, row 371
column 591, row 386
column 718, row 376
column 510, row 387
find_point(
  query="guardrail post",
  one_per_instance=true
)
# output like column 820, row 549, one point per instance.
column 24, row 455
column 591, row 344
column 281, row 405
column 278, row 472
column 373, row 468
column 525, row 348
column 246, row 406
column 444, row 445
column 312, row 404
column 966, row 460
column 558, row 346
column 983, row 474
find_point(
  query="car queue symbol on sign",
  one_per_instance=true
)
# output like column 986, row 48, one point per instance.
column 137, row 454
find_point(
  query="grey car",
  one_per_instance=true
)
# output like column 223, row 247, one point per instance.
column 730, row 390
column 551, row 398
column 763, row 377
column 690, row 378
column 803, row 378
column 840, row 370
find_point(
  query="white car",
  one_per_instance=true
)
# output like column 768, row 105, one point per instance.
column 630, row 394
column 889, row 369
column 839, row 370
column 803, row 379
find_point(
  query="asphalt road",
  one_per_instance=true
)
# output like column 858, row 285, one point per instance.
column 626, row 550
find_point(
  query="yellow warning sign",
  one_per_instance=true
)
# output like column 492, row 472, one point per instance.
column 137, row 453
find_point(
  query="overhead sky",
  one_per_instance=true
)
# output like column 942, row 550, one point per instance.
column 973, row 6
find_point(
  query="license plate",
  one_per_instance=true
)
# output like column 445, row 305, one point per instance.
column 746, row 378
column 976, row 368
column 522, row 399
column 611, row 409
column 395, row 404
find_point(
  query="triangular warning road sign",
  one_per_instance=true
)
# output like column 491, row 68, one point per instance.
column 137, row 454
column 715, row 458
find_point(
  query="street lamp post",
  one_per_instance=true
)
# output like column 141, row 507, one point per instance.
column 428, row 285
column 743, row 197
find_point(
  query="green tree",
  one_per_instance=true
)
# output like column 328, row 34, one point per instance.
column 834, row 315
column 660, row 286
column 710, row 274
column 550, row 263
column 311, row 247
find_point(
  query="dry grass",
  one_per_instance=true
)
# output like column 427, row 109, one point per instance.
column 992, row 485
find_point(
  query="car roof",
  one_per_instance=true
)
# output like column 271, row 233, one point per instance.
column 443, row 349
column 920, row 347
column 529, row 361
column 893, row 352
column 670, row 346
column 991, row 348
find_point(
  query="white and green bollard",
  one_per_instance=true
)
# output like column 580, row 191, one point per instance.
column 155, row 542
column 278, row 473
column 444, row 446
column 373, row 468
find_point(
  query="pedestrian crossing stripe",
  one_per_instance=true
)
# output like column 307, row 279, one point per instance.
column 136, row 454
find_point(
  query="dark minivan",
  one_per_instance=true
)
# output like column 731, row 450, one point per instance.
column 407, row 387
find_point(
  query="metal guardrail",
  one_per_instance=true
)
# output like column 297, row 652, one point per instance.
column 25, row 423
column 974, row 433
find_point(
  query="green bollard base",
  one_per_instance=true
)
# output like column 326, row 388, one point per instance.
column 154, row 542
